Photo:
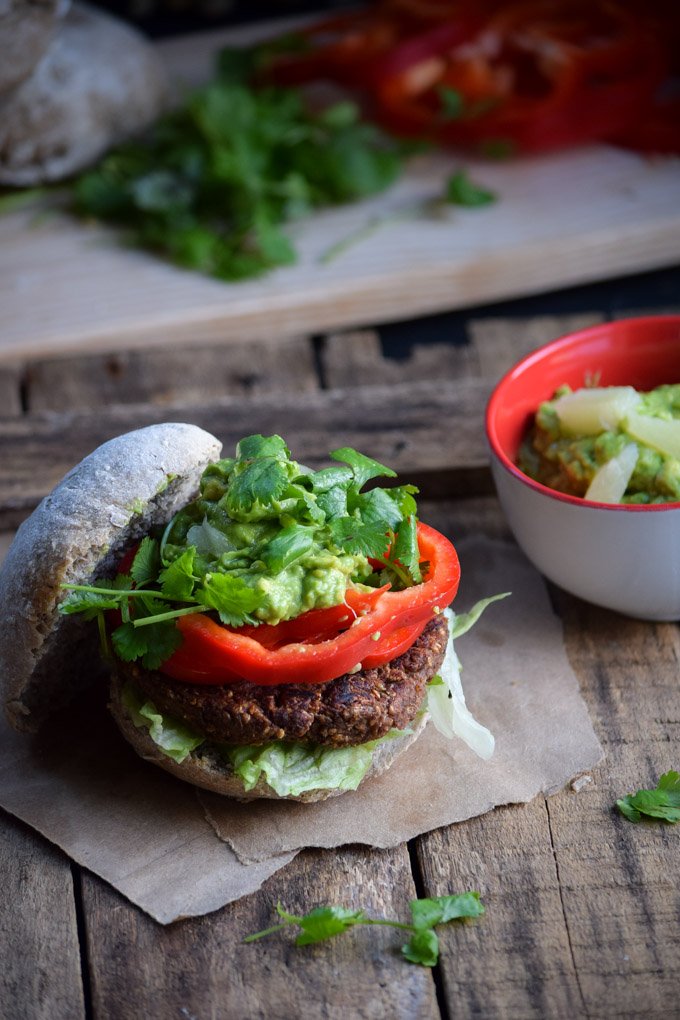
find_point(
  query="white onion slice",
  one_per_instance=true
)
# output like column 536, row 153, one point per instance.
column 660, row 434
column 592, row 409
column 611, row 480
column 446, row 703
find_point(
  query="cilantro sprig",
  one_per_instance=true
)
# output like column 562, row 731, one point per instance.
column 323, row 923
column 148, row 629
column 662, row 802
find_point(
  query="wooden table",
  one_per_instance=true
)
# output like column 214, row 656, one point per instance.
column 583, row 908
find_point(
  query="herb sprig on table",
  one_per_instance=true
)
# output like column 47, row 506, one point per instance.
column 324, row 923
column 191, row 568
column 663, row 802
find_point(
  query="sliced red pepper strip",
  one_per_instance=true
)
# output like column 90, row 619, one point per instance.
column 317, row 624
column 532, row 75
column 396, row 644
column 538, row 75
column 212, row 654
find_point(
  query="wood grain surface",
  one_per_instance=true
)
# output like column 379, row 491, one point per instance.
column 583, row 908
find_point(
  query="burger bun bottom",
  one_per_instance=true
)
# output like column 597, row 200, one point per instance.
column 212, row 773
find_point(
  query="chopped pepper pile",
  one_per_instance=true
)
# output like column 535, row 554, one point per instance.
column 501, row 77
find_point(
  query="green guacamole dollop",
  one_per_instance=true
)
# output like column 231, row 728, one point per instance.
column 567, row 462
column 272, row 524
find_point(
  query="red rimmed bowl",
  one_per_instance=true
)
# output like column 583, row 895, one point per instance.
column 625, row 558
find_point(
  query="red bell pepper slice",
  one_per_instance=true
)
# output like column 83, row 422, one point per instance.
column 533, row 75
column 316, row 624
column 537, row 75
column 213, row 654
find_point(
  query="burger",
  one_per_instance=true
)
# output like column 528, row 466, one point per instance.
column 267, row 630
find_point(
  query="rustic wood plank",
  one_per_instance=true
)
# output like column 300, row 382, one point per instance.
column 500, row 342
column 619, row 881
column 40, row 977
column 516, row 961
column 213, row 974
column 11, row 377
column 163, row 377
column 583, row 909
column 433, row 434
column 357, row 359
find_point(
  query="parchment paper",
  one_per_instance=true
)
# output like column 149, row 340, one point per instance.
column 83, row 788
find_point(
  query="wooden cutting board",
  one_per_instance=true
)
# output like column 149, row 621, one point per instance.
column 564, row 219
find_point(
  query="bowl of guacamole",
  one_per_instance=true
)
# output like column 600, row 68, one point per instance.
column 584, row 435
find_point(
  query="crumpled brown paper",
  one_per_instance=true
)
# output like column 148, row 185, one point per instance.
column 137, row 827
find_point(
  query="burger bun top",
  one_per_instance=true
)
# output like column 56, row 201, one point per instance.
column 122, row 490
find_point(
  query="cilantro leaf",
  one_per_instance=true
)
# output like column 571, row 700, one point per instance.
column 146, row 564
column 441, row 909
column 289, row 545
column 662, row 802
column 86, row 599
column 460, row 190
column 261, row 481
column 329, row 478
column 363, row 468
column 333, row 503
column 252, row 447
column 353, row 536
column 153, row 644
column 324, row 922
column 422, row 947
column 230, row 596
column 378, row 507
column 177, row 579
column 405, row 549
column 88, row 603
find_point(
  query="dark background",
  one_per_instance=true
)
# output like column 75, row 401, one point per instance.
column 169, row 17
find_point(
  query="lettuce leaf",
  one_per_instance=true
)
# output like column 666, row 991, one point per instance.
column 288, row 768
column 293, row 768
column 170, row 736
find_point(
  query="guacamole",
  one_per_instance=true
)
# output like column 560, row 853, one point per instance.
column 298, row 539
column 566, row 461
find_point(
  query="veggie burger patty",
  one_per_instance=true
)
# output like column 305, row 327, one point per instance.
column 349, row 710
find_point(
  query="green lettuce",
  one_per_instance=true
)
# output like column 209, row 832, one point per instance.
column 292, row 768
column 288, row 768
column 170, row 736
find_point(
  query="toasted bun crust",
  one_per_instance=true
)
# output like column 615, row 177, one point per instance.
column 98, row 83
column 211, row 773
column 122, row 490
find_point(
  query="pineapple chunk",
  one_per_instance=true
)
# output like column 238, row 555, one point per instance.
column 660, row 434
column 611, row 480
column 587, row 412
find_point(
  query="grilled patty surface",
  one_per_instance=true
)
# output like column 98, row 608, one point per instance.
column 351, row 709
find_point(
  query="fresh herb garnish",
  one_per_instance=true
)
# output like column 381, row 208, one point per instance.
column 662, row 802
column 259, row 515
column 324, row 923
column 216, row 181
column 460, row 190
